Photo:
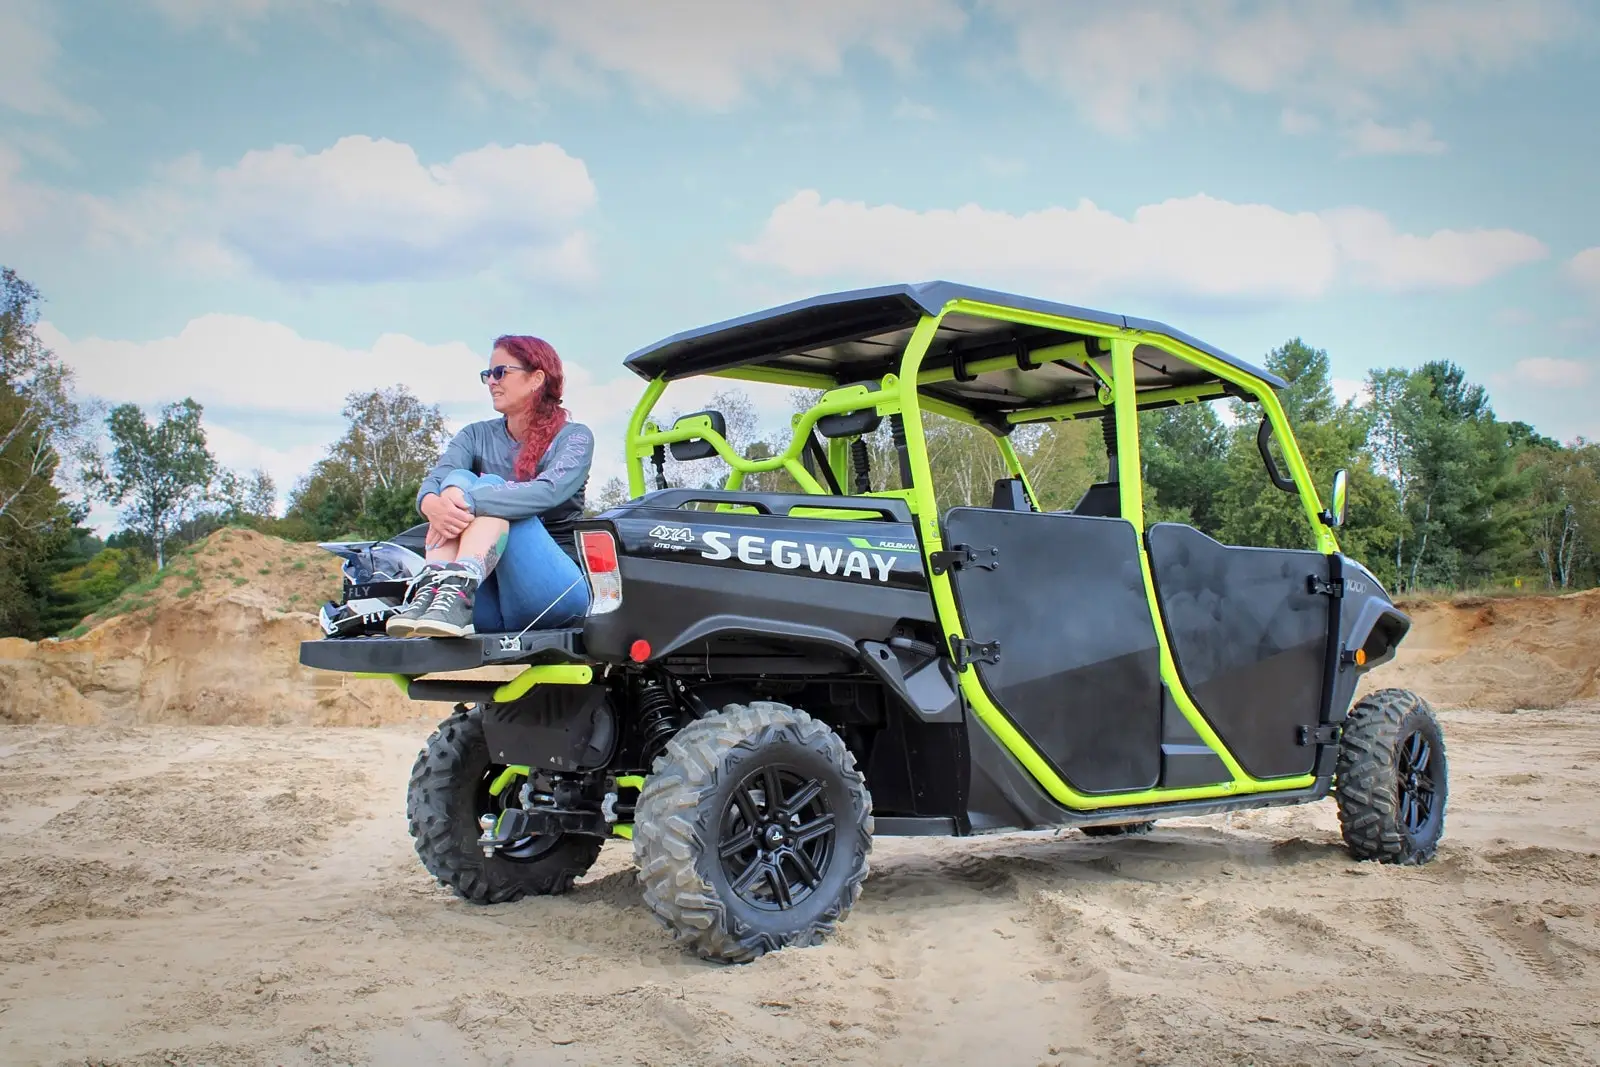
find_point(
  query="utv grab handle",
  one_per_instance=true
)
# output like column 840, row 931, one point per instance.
column 1263, row 439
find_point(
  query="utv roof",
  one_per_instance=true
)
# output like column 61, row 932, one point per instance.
column 858, row 335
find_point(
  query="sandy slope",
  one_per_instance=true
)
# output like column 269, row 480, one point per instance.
column 248, row 895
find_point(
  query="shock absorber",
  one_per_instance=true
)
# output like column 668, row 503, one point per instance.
column 658, row 720
column 897, row 429
column 860, row 460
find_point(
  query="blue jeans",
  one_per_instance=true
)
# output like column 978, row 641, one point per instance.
column 533, row 580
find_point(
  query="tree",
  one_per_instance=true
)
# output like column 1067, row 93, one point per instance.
column 38, row 417
column 368, row 481
column 1564, row 509
column 614, row 493
column 393, row 438
column 164, row 473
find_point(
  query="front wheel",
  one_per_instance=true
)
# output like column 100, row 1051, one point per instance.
column 449, row 791
column 753, row 833
column 1392, row 779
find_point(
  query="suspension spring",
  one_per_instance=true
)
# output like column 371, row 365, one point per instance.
column 658, row 720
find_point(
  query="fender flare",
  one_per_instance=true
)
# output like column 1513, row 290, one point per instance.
column 924, row 685
column 1379, row 627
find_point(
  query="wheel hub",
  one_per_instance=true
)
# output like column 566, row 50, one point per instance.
column 777, row 835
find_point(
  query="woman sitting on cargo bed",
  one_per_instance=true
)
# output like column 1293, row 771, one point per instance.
column 500, row 506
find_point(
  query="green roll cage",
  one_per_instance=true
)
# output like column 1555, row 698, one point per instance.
column 1117, row 391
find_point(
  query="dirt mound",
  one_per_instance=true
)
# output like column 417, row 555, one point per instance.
column 1500, row 653
column 214, row 640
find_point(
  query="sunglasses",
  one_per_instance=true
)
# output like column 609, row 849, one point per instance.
column 498, row 373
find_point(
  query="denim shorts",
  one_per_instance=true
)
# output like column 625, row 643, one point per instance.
column 533, row 580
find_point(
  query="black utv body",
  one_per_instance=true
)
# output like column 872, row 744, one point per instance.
column 766, row 681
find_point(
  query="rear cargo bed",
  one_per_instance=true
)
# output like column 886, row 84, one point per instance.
column 415, row 656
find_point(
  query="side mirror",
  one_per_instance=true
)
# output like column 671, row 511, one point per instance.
column 1340, row 498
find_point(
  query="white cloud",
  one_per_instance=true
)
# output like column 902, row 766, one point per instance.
column 1446, row 259
column 1552, row 372
column 361, row 210
column 28, row 54
column 1130, row 61
column 1584, row 268
column 366, row 210
column 908, row 109
column 1298, row 123
column 706, row 53
column 1369, row 138
column 1197, row 246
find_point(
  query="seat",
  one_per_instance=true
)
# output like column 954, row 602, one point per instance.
column 1103, row 499
column 1010, row 496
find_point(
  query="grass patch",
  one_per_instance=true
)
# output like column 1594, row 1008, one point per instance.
column 240, row 581
column 188, row 591
column 299, row 565
column 264, row 570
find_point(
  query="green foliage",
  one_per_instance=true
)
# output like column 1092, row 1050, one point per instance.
column 367, row 484
column 163, row 474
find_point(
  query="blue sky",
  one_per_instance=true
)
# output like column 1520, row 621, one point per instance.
column 265, row 204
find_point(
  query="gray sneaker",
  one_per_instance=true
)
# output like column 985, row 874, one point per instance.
column 449, row 613
column 404, row 623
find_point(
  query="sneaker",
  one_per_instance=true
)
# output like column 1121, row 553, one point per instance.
column 404, row 623
column 449, row 613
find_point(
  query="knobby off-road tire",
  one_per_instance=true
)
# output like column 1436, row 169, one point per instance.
column 1390, row 808
column 449, row 790
column 1119, row 830
column 709, row 793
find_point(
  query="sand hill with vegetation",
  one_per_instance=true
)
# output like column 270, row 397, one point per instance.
column 211, row 640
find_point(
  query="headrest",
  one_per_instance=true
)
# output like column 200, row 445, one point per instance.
column 699, row 448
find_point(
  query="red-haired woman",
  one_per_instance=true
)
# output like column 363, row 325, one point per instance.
column 500, row 506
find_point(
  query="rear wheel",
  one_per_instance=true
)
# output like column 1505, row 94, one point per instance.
column 449, row 791
column 753, row 833
column 1392, row 779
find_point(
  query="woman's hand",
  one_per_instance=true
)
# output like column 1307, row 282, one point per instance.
column 448, row 516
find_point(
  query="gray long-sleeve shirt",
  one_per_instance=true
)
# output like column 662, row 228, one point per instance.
column 555, row 492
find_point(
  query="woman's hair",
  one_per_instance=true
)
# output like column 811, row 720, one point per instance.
column 546, row 416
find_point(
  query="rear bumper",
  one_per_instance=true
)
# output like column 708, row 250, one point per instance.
column 416, row 656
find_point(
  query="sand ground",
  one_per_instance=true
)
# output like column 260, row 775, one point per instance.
column 248, row 895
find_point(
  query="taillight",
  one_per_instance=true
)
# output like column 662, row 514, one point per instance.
column 599, row 551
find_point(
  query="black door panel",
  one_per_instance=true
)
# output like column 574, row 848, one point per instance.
column 1250, row 640
column 1080, row 670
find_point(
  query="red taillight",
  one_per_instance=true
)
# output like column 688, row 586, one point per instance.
column 599, row 550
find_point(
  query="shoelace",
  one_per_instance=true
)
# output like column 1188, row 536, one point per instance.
column 441, row 601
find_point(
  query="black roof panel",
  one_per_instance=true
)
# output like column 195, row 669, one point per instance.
column 859, row 334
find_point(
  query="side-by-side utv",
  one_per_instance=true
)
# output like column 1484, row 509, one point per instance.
column 766, row 681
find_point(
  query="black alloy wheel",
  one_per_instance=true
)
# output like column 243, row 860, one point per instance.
column 1417, row 791
column 777, row 837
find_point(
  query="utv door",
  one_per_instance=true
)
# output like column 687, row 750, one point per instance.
column 1248, row 629
column 1060, row 602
